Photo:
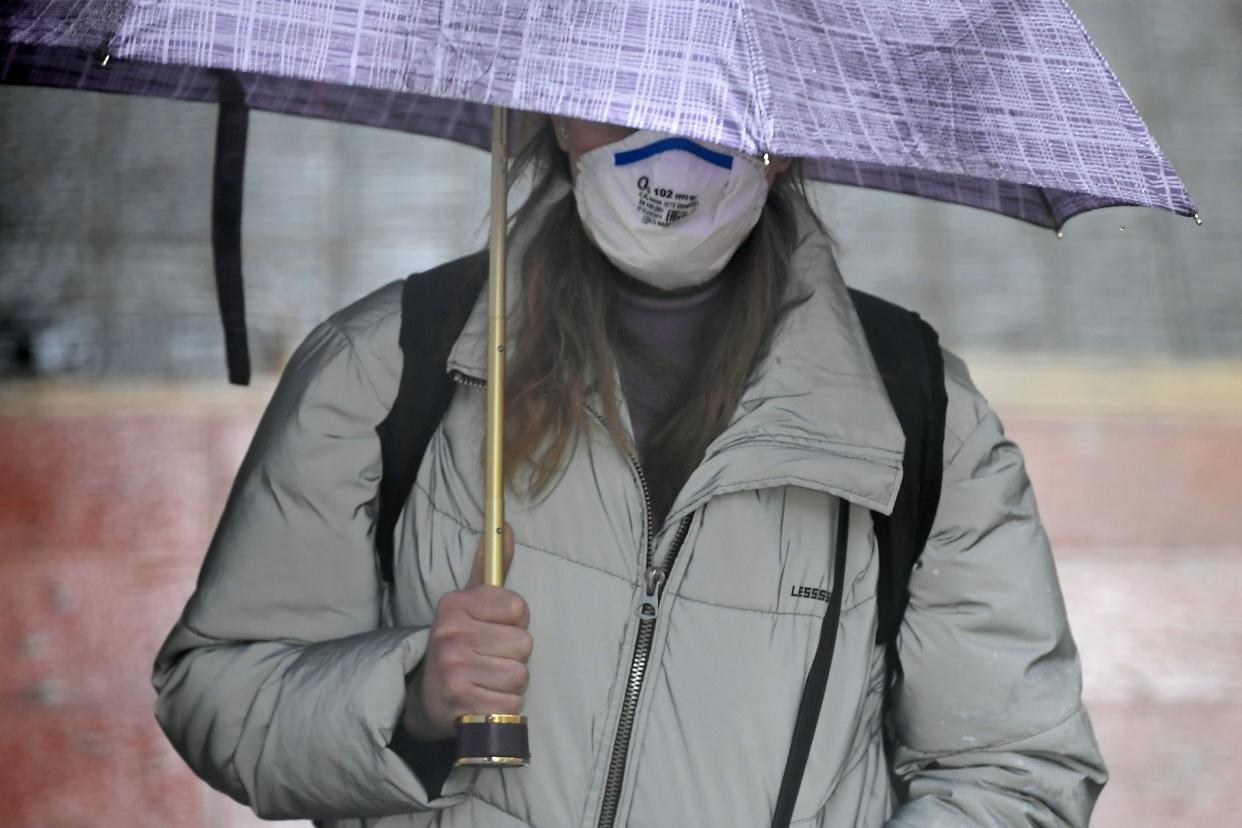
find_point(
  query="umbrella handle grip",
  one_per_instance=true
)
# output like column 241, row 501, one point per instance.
column 492, row 740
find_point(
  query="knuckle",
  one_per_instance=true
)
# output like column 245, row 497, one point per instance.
column 445, row 636
column 510, row 677
column 449, row 616
column 521, row 678
column 451, row 601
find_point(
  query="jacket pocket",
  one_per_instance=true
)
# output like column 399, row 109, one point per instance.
column 771, row 551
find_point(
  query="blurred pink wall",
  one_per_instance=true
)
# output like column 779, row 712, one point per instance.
column 108, row 496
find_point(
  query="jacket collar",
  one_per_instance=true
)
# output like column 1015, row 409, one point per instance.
column 816, row 415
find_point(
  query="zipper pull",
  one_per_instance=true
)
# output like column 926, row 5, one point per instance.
column 651, row 600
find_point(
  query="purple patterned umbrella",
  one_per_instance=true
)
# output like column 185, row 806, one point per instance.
column 1000, row 104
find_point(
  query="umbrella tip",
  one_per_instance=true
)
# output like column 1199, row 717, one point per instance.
column 1198, row 220
column 1060, row 235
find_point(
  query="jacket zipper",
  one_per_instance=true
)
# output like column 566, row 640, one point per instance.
column 648, row 610
column 466, row 379
column 654, row 578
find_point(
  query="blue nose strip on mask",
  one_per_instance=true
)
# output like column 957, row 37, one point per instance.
column 719, row 159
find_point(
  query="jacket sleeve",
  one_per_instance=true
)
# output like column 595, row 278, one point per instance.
column 277, row 684
column 988, row 727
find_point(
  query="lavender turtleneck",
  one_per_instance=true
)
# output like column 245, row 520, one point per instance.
column 670, row 327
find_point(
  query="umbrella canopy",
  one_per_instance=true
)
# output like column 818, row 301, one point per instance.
column 1004, row 105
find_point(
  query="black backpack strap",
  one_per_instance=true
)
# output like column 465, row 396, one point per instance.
column 816, row 684
column 907, row 354
column 434, row 308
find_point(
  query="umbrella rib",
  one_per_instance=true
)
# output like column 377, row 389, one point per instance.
column 762, row 89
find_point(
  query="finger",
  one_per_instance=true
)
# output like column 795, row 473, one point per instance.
column 502, row 641
column 489, row 701
column 500, row 675
column 476, row 567
column 496, row 605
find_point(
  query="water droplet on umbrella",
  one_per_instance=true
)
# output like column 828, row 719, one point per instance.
column 1198, row 220
column 767, row 160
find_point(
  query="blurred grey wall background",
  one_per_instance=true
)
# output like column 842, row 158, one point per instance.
column 105, row 261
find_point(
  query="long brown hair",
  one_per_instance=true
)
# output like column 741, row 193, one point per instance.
column 568, row 335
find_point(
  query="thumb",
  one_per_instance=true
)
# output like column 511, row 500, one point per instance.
column 476, row 570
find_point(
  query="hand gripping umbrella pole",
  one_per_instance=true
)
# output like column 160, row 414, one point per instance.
column 495, row 739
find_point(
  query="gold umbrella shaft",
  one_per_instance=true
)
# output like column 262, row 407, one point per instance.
column 494, row 499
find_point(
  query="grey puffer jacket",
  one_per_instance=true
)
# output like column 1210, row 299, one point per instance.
column 284, row 679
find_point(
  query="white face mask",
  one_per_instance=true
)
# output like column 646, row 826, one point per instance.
column 668, row 211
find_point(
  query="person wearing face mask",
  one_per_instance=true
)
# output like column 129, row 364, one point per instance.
column 697, row 436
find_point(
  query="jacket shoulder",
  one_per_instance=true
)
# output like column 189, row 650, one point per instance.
column 370, row 318
column 967, row 407
column 370, row 328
